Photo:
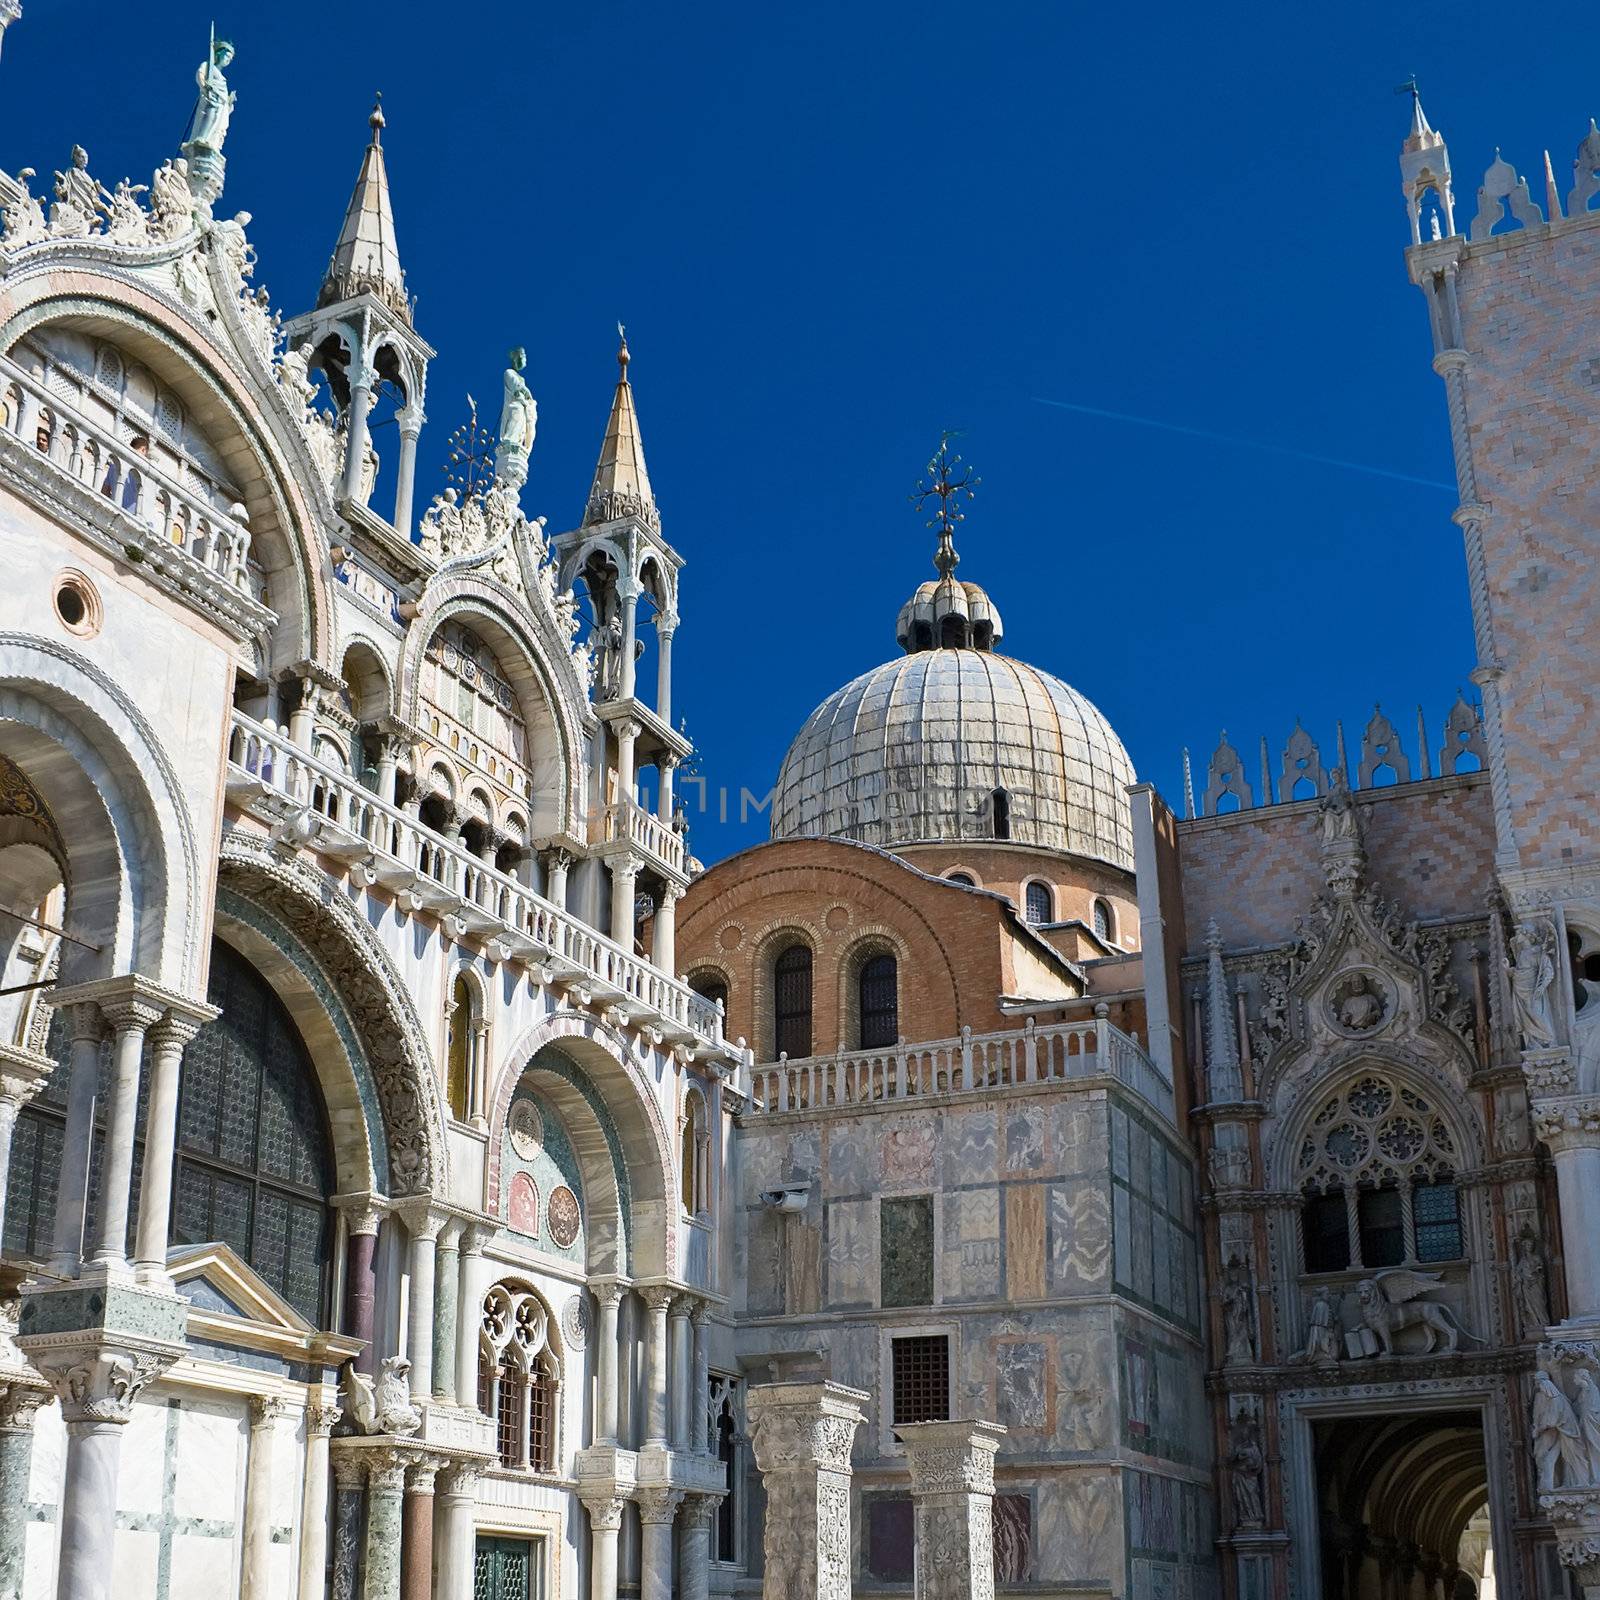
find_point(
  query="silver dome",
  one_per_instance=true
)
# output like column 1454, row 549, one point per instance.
column 914, row 751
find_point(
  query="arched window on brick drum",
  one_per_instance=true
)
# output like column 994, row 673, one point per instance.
column 1102, row 920
column 791, row 1002
column 709, row 986
column 878, row 989
column 1040, row 903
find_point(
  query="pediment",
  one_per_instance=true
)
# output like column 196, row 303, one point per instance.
column 219, row 1282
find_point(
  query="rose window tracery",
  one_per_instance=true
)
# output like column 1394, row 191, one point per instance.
column 1374, row 1133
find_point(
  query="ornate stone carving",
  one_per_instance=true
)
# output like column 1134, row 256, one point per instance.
column 605, row 1513
column 100, row 1385
column 576, row 1321
column 658, row 1505
column 952, row 1485
column 384, row 1407
column 1391, row 1303
column 1532, row 971
column 1323, row 1334
column 362, row 974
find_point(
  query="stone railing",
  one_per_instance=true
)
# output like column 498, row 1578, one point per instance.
column 627, row 820
column 142, row 490
column 1055, row 1053
column 314, row 804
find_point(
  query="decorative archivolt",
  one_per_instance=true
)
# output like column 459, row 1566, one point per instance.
column 1372, row 1132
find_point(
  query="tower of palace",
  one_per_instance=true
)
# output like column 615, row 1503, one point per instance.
column 422, row 1177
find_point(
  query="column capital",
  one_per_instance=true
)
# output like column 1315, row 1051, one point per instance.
column 321, row 1418
column 463, row 1478
column 363, row 1212
column 266, row 1409
column 421, row 1473
column 450, row 1234
column 131, row 1014
column 422, row 1217
column 658, row 1296
column 608, row 1292
column 628, row 728
column 100, row 1384
column 699, row 1311
column 114, row 995
column 18, row 1403
column 605, row 1511
column 699, row 1508
column 386, row 1471
column 23, row 1073
column 1572, row 1124
column 683, row 1304
column 658, row 1505
column 349, row 1471
column 951, row 1457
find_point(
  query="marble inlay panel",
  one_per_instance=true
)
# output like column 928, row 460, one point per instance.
column 970, row 1145
column 1025, row 1262
column 971, row 1261
column 852, row 1253
column 211, row 1443
column 906, row 1235
column 1080, row 1236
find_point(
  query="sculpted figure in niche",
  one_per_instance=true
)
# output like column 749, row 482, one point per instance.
column 1248, row 1466
column 208, row 125
column 1556, row 1439
column 1586, row 1404
column 1532, row 972
column 1528, row 1283
column 1323, row 1334
column 1338, row 812
column 1359, row 1004
column 1238, row 1314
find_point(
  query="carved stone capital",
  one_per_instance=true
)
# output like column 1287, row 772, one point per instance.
column 321, row 1418
column 658, row 1296
column 658, row 1505
column 18, row 1404
column 699, row 1509
column 804, row 1427
column 1567, row 1124
column 605, row 1512
column 951, row 1457
column 1549, row 1072
column 266, row 1409
column 101, row 1384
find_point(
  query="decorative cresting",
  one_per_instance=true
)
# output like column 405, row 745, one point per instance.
column 952, row 1487
column 1374, row 1132
column 802, row 1435
column 310, row 906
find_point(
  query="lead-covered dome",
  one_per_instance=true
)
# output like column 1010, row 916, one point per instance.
column 949, row 744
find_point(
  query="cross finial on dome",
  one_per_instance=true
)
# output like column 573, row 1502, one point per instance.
column 946, row 484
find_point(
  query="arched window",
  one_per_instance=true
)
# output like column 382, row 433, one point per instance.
column 960, row 877
column 1377, row 1173
column 1000, row 813
column 1040, row 903
column 709, row 986
column 459, row 1087
column 791, row 1002
column 696, row 1155
column 519, row 1377
column 877, row 989
column 1102, row 920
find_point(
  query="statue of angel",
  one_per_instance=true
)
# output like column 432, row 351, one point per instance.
column 171, row 201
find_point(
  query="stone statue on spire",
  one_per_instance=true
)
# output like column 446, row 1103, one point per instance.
column 208, row 122
column 519, row 420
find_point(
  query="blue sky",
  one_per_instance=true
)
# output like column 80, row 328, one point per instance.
column 836, row 229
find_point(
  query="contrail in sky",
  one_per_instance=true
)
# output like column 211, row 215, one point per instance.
column 1246, row 444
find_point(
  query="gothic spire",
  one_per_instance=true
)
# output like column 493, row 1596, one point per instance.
column 366, row 259
column 621, row 483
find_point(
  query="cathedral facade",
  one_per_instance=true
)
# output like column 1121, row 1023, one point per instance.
column 422, row 1177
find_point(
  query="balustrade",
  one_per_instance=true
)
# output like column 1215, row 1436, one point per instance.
column 627, row 820
column 343, row 819
column 139, row 487
column 1017, row 1057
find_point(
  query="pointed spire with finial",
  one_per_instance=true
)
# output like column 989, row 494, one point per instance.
column 366, row 259
column 1424, row 168
column 621, row 483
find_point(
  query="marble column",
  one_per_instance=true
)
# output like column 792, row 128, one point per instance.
column 606, row 1353
column 349, row 1502
column 355, row 449
column 802, row 1435
column 1575, row 1151
column 700, row 1394
column 131, row 1018
column 694, row 1546
column 627, row 737
column 18, row 1407
column 605, row 1522
column 360, row 1284
column 97, row 1388
column 406, row 477
column 457, row 1502
column 167, row 1042
column 424, row 1225
column 320, row 1419
column 681, row 1362
column 416, row 1546
column 658, row 1510
column 657, row 1297
column 665, row 628
column 663, row 931
column 446, row 1290
column 87, row 1028
column 255, row 1562
column 628, row 593
column 952, row 1489
column 469, row 1315
column 558, row 865
column 380, row 1556
column 624, row 877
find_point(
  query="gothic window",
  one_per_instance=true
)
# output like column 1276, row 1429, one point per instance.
column 519, row 1378
column 1377, row 1176
column 724, row 1436
column 1102, row 920
column 1039, row 903
column 877, row 992
column 791, row 1002
column 921, row 1378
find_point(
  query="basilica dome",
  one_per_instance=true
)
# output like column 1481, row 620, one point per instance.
column 954, row 742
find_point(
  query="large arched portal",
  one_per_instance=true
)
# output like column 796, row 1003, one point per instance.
column 1402, row 1502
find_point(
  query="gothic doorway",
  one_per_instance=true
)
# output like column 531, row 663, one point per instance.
column 507, row 1569
column 1403, row 1506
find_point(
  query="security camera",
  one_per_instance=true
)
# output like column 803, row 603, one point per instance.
column 790, row 1199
